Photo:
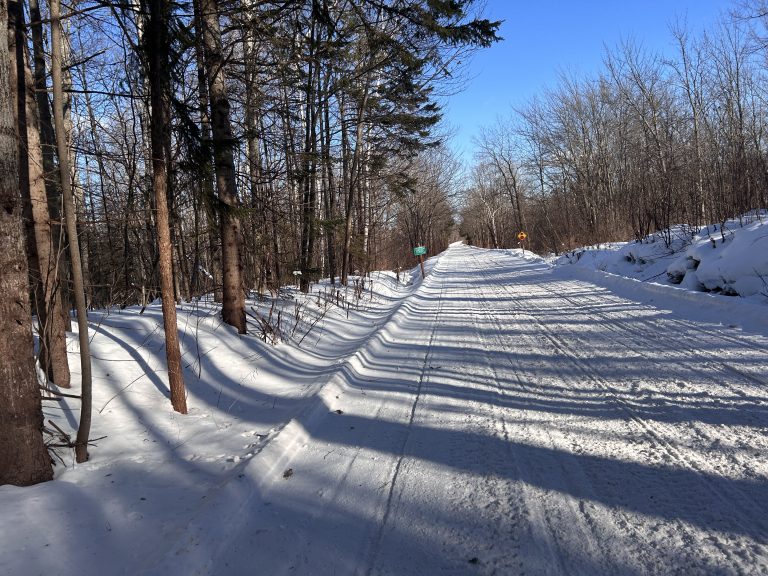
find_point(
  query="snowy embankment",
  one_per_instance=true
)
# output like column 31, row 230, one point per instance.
column 151, row 469
column 715, row 273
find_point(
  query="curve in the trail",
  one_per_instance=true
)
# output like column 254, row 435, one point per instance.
column 507, row 420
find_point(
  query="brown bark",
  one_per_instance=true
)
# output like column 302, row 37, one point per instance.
column 233, row 302
column 50, row 174
column 158, row 53
column 23, row 457
column 70, row 215
column 43, row 260
column 44, row 108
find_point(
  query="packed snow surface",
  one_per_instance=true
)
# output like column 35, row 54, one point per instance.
column 499, row 417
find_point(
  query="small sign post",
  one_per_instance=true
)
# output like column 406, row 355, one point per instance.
column 522, row 236
column 420, row 251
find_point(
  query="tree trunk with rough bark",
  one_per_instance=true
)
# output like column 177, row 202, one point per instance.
column 70, row 215
column 50, row 173
column 43, row 259
column 233, row 304
column 158, row 56
column 23, row 457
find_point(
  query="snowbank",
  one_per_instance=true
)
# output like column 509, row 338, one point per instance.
column 152, row 472
column 729, row 259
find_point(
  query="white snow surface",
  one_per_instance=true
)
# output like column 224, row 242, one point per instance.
column 729, row 258
column 500, row 417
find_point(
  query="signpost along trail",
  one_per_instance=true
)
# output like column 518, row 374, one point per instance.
column 420, row 251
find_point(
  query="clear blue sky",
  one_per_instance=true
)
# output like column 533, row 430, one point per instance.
column 546, row 38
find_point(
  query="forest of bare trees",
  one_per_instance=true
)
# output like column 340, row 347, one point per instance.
column 647, row 143
column 207, row 148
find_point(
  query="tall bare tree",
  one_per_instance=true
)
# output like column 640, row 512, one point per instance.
column 70, row 216
column 23, row 457
column 233, row 304
column 43, row 258
column 158, row 53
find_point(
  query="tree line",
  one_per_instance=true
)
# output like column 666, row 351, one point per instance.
column 649, row 142
column 180, row 149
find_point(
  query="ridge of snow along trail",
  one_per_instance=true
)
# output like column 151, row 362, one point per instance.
column 500, row 417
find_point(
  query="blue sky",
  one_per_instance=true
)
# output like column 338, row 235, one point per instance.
column 546, row 38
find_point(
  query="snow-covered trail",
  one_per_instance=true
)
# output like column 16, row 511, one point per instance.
column 508, row 420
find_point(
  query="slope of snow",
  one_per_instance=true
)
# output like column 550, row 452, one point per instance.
column 499, row 417
column 151, row 469
column 729, row 259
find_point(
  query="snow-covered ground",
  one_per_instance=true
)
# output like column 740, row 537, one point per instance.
column 729, row 258
column 500, row 417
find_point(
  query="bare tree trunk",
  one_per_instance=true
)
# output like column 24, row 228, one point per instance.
column 23, row 457
column 309, row 199
column 111, row 229
column 206, row 188
column 329, row 188
column 77, row 188
column 44, row 108
column 48, row 144
column 365, row 190
column 83, row 431
column 233, row 305
column 43, row 259
column 353, row 183
column 158, row 55
column 253, row 103
column 274, row 231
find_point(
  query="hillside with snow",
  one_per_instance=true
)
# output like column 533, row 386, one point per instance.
column 729, row 258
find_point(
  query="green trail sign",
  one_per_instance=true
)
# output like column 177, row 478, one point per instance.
column 419, row 250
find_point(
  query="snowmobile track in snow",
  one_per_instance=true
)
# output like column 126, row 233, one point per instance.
column 371, row 563
column 507, row 420
column 633, row 339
